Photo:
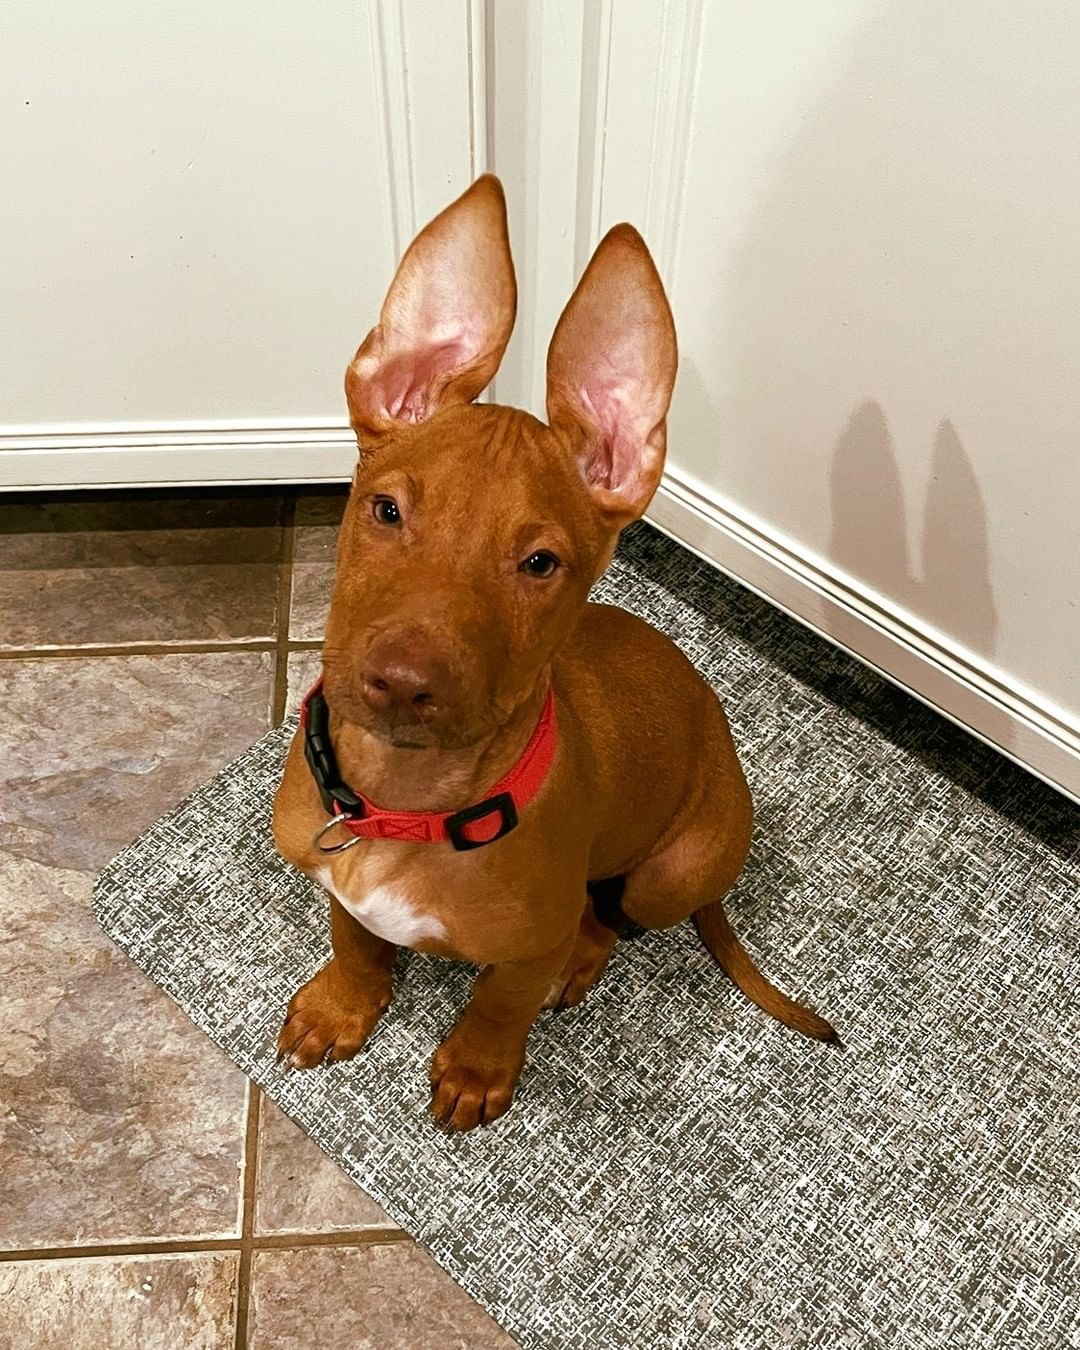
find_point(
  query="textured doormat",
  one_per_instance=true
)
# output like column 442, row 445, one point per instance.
column 678, row 1170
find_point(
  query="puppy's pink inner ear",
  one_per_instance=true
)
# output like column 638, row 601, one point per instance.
column 409, row 383
column 605, row 449
column 623, row 432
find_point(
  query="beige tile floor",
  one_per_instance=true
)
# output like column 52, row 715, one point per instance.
column 149, row 1195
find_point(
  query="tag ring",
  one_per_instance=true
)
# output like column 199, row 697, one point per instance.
column 336, row 848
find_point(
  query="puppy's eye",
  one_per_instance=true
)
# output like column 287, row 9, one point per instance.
column 539, row 564
column 385, row 510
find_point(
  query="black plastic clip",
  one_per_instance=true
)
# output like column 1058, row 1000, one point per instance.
column 503, row 803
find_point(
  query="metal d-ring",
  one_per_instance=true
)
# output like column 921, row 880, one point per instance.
column 336, row 848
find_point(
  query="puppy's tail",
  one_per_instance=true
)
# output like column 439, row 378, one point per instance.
column 718, row 935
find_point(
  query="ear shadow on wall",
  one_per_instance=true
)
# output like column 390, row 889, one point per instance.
column 868, row 537
column 956, row 593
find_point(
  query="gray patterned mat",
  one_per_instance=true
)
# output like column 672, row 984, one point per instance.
column 679, row 1170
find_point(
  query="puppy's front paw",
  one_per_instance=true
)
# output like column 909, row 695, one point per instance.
column 329, row 1018
column 473, row 1084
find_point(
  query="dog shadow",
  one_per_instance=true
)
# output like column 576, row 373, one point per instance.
column 950, row 589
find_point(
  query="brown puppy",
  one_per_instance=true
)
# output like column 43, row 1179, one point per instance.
column 472, row 536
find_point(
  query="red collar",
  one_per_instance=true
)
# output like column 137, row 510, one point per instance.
column 472, row 827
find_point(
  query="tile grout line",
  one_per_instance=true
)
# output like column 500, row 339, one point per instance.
column 160, row 649
column 251, row 1134
column 344, row 1237
column 279, row 694
column 247, row 1222
column 139, row 649
column 284, row 610
column 278, row 687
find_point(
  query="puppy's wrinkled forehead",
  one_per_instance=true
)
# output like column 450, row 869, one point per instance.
column 481, row 472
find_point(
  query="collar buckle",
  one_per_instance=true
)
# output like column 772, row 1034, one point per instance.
column 320, row 758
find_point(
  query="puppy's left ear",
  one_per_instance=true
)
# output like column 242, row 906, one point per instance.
column 610, row 371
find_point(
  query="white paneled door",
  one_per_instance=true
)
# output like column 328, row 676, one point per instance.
column 867, row 217
column 203, row 203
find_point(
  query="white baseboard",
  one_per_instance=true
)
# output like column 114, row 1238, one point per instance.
column 951, row 680
column 186, row 455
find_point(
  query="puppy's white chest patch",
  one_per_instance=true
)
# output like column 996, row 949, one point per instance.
column 384, row 911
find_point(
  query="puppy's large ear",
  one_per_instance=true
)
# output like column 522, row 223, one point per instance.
column 611, row 368
column 445, row 321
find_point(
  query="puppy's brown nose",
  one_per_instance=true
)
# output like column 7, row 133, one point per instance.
column 398, row 676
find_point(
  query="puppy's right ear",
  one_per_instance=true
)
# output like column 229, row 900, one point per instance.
column 445, row 321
